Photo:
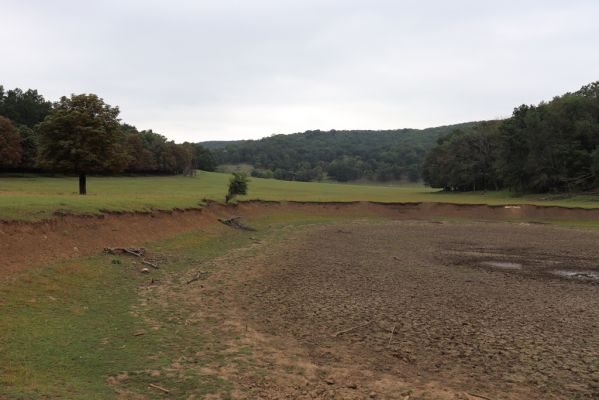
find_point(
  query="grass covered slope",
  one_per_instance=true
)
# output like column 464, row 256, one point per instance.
column 34, row 198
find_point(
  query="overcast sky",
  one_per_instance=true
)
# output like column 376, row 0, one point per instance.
column 221, row 70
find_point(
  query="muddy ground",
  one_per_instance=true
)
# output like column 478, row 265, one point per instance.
column 413, row 309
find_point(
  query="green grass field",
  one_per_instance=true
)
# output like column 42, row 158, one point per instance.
column 31, row 197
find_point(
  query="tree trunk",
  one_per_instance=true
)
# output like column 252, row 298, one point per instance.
column 82, row 184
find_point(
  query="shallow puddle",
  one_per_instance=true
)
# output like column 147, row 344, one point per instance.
column 502, row 264
column 579, row 274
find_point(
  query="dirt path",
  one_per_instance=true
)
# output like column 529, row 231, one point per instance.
column 412, row 310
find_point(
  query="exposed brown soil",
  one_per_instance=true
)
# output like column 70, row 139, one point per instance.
column 405, row 308
column 29, row 243
column 418, row 312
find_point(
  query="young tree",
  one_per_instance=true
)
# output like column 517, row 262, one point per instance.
column 238, row 185
column 10, row 144
column 82, row 135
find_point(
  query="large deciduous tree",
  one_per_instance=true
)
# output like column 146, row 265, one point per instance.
column 10, row 144
column 82, row 135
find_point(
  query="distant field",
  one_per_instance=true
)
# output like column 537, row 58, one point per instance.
column 32, row 197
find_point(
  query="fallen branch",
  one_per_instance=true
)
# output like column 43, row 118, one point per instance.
column 135, row 251
column 159, row 388
column 479, row 396
column 155, row 266
column 198, row 276
column 351, row 329
column 392, row 332
column 234, row 223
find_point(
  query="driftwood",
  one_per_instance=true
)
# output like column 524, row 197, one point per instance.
column 351, row 329
column 200, row 275
column 159, row 388
column 155, row 266
column 134, row 251
column 235, row 222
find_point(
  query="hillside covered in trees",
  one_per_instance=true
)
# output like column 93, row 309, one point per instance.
column 551, row 147
column 23, row 112
column 341, row 155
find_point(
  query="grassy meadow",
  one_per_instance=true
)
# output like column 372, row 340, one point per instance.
column 31, row 197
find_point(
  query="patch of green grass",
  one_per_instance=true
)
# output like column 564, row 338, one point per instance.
column 31, row 197
column 69, row 330
column 66, row 329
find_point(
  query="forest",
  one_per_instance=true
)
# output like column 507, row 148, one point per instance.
column 22, row 145
column 551, row 147
column 388, row 155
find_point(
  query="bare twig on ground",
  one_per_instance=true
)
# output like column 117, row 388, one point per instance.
column 235, row 223
column 159, row 388
column 155, row 266
column 135, row 251
column 198, row 276
column 351, row 329
column 479, row 396
column 392, row 332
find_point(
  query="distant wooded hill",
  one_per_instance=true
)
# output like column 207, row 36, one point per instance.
column 341, row 155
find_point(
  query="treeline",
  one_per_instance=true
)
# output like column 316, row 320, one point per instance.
column 22, row 112
column 552, row 147
column 340, row 155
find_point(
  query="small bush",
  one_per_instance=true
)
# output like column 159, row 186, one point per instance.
column 238, row 185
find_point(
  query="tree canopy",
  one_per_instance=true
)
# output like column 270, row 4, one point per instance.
column 343, row 155
column 145, row 151
column 10, row 144
column 23, row 107
column 82, row 135
column 551, row 147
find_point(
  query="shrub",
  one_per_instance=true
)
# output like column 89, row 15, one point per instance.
column 238, row 185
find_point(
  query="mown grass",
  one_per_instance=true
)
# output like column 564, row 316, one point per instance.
column 33, row 197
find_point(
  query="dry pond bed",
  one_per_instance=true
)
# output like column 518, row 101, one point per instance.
column 415, row 309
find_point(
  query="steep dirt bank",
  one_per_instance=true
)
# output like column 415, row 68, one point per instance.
column 29, row 243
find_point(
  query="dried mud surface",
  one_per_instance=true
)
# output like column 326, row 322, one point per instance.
column 421, row 311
